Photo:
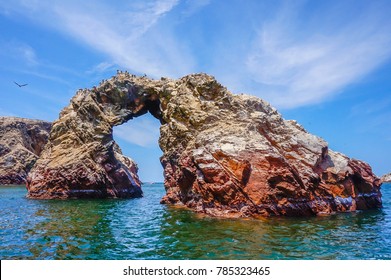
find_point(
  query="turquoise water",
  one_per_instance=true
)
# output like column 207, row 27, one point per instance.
column 144, row 229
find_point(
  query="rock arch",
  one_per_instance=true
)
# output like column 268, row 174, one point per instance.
column 223, row 154
column 81, row 158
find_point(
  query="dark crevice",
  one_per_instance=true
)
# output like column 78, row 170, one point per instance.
column 153, row 106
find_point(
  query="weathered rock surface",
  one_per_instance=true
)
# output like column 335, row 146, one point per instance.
column 81, row 159
column 223, row 154
column 386, row 178
column 21, row 142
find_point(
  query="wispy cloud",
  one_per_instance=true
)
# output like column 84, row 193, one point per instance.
column 22, row 58
column 143, row 131
column 126, row 31
column 289, row 53
column 20, row 51
column 294, row 64
column 28, row 54
column 45, row 81
column 101, row 68
column 192, row 7
column 375, row 115
column 371, row 107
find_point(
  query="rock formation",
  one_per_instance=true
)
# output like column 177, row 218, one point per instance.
column 223, row 154
column 81, row 159
column 386, row 178
column 21, row 142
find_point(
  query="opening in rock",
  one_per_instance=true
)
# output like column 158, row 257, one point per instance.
column 138, row 139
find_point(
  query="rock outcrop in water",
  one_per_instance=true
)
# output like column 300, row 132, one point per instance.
column 21, row 142
column 81, row 159
column 386, row 178
column 223, row 154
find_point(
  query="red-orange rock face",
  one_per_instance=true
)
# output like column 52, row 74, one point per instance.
column 234, row 155
column 223, row 154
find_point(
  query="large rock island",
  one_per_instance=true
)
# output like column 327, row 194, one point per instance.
column 223, row 154
column 21, row 142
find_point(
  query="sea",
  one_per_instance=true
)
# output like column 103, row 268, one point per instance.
column 142, row 228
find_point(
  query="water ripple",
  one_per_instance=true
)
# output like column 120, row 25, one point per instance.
column 145, row 229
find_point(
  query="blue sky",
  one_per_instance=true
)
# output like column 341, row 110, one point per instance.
column 326, row 64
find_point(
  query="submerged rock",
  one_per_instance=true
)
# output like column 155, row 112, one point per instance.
column 223, row 154
column 21, row 142
column 386, row 178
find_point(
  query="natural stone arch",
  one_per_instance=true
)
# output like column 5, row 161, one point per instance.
column 81, row 158
column 223, row 154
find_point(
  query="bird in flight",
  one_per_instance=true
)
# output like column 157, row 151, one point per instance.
column 20, row 85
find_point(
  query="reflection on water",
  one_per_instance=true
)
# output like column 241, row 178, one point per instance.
column 144, row 229
column 345, row 236
column 72, row 230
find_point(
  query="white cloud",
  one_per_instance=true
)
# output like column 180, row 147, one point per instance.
column 122, row 30
column 143, row 131
column 28, row 54
column 290, row 56
column 19, row 51
column 193, row 7
column 46, row 76
column 101, row 68
column 292, row 70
